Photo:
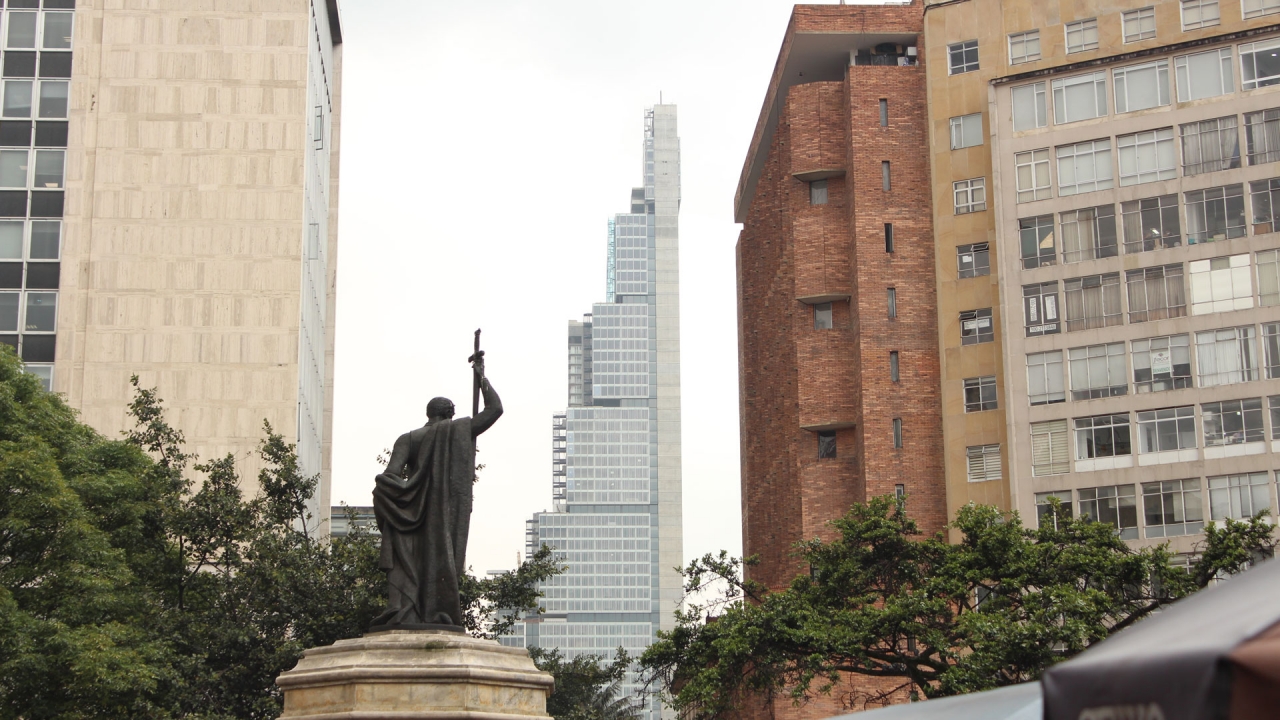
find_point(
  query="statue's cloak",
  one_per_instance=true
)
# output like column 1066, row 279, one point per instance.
column 424, row 518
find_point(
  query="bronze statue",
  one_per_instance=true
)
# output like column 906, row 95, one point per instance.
column 423, row 506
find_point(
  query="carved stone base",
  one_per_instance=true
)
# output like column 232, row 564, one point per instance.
column 410, row 674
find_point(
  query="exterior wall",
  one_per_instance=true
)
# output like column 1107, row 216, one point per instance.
column 190, row 156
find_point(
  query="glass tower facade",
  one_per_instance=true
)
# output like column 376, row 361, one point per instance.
column 616, row 448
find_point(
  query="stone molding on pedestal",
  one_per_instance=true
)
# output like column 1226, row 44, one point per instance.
column 415, row 674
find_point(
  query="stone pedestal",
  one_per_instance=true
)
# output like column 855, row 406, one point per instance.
column 410, row 674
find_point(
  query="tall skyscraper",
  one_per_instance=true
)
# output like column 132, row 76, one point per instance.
column 616, row 521
column 168, row 208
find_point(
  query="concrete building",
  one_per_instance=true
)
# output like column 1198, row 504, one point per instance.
column 616, row 484
column 168, row 182
column 1103, row 192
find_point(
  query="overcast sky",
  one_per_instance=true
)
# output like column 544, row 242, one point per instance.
column 484, row 147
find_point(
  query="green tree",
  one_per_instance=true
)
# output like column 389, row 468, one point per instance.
column 924, row 615
column 587, row 688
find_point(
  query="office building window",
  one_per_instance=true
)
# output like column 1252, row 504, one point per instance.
column 822, row 316
column 1204, row 74
column 1215, row 214
column 892, row 302
column 1084, row 167
column 1198, row 14
column 1045, row 384
column 1139, row 24
column 1269, row 277
column 884, row 112
column 1210, row 145
column 1029, row 109
column 1271, row 349
column 973, row 260
column 984, row 462
column 897, row 433
column 1139, row 87
column 1036, row 237
column 1239, row 497
column 893, row 366
column 1097, row 371
column 1117, row 504
column 1147, row 157
column 976, row 327
column 1167, row 429
column 1220, row 284
column 1258, row 8
column 1040, row 308
column 963, row 57
column 888, row 237
column 1156, row 293
column 1093, row 301
column 826, row 444
column 884, row 175
column 966, row 131
column 43, row 373
column 1032, row 172
column 1232, row 422
column 1226, row 356
column 28, row 312
column 1172, row 507
column 1265, row 197
column 53, row 99
column 1079, row 98
column 1049, row 452
column 1273, row 404
column 1045, row 516
column 1024, row 47
column 1262, row 136
column 970, row 195
column 818, row 192
column 1259, row 65
column 980, row 394
column 1089, row 234
column 1082, row 35
column 1151, row 224
column 1102, row 436
column 1161, row 363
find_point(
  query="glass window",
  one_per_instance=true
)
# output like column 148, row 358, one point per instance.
column 1117, row 505
column 970, row 195
column 1038, row 247
column 1079, row 98
column 1262, row 136
column 1139, row 24
column 1204, row 74
column 963, row 57
column 1029, row 109
column 1032, row 168
column 1273, row 403
column 1271, row 349
column 1239, row 496
column 1172, row 507
column 21, row 30
column 1226, row 356
column 826, row 444
column 822, row 316
column 1210, row 145
column 46, row 239
column 1167, row 429
column 1044, row 507
column 973, row 260
column 1049, row 448
column 17, row 99
column 1220, row 284
column 1084, row 167
column 897, row 433
column 1259, row 64
column 1139, row 87
column 53, row 99
column 1215, row 214
column 884, row 175
column 1040, row 308
column 1257, row 8
column 1045, row 384
column 11, row 239
column 49, row 169
column 980, row 394
column 818, row 192
column 893, row 366
column 966, row 131
column 41, row 312
column 1102, row 436
column 1232, row 422
column 892, row 302
column 1199, row 14
column 888, row 237
column 1098, row 371
column 1265, row 197
column 984, row 462
column 43, row 372
column 1089, row 234
column 1024, row 47
column 1161, row 363
column 1156, row 293
column 9, row 304
column 57, row 31
column 13, row 168
column 1151, row 224
column 976, row 327
column 884, row 112
column 1147, row 157
column 1082, row 35
column 1093, row 301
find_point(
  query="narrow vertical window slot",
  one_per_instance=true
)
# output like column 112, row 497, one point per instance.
column 893, row 303
column 884, row 174
column 888, row 237
column 884, row 112
column 893, row 366
column 897, row 433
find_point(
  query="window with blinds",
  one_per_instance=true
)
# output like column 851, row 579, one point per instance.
column 1049, row 448
column 984, row 463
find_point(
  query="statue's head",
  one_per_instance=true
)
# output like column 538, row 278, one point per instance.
column 440, row 409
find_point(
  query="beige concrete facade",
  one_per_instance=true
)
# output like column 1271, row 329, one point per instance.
column 200, row 237
column 1157, row 34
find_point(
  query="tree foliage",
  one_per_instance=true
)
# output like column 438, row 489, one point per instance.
column 587, row 687
column 923, row 615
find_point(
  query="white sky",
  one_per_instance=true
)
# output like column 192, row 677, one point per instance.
column 484, row 147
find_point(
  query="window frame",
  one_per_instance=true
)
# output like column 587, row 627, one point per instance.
column 1268, row 262
column 1038, row 94
column 1122, row 87
column 1262, row 8
column 1050, row 438
column 1095, row 226
column 1061, row 87
column 1176, row 347
column 1107, row 361
column 1141, row 16
column 978, row 335
column 818, row 194
column 980, row 394
column 1153, row 156
column 977, row 251
column 1173, row 498
column 1034, row 161
column 1023, row 40
column 1218, row 421
column 1102, row 436
column 963, row 47
column 1033, row 228
column 1041, row 311
column 1172, row 292
column 1207, row 277
column 1108, row 505
column 969, row 196
column 1153, row 213
column 1043, row 365
column 1251, row 50
column 1087, row 29
column 1081, row 286
column 963, row 134
column 1183, row 76
column 1220, row 135
column 1196, row 204
column 1262, row 136
column 1199, row 5
column 822, row 316
column 1233, row 490
column 1237, row 351
column 1069, row 158
column 1175, row 423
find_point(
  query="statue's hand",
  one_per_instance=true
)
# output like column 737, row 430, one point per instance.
column 477, row 363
